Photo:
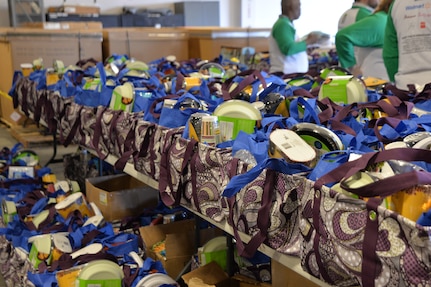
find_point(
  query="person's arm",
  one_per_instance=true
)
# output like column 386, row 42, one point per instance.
column 284, row 35
column 368, row 32
column 362, row 13
column 390, row 48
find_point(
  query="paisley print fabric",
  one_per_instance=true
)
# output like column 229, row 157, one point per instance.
column 282, row 219
column 402, row 252
column 206, row 179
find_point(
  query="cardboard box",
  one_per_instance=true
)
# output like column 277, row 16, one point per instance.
column 6, row 60
column 259, row 38
column 146, row 44
column 66, row 25
column 70, row 46
column 23, row 45
column 283, row 276
column 76, row 9
column 179, row 244
column 213, row 274
column 10, row 116
column 119, row 196
column 207, row 42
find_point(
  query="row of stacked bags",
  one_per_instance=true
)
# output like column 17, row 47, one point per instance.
column 237, row 104
column 318, row 120
column 60, row 238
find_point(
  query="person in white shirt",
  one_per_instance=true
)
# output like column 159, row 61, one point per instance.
column 359, row 10
column 359, row 45
column 407, row 43
column 287, row 54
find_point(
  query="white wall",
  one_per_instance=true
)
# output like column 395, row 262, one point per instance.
column 316, row 15
column 321, row 15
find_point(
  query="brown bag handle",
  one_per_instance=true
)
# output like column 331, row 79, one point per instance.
column 374, row 190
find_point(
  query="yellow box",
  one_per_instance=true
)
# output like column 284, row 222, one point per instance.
column 9, row 115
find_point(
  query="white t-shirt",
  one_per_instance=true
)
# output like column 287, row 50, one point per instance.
column 371, row 62
column 297, row 63
column 412, row 21
column 350, row 16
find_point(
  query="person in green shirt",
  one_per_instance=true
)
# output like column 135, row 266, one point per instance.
column 407, row 46
column 288, row 55
column 359, row 46
column 359, row 10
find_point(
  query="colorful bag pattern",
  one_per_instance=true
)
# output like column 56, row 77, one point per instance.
column 88, row 119
column 174, row 163
column 207, row 177
column 263, row 203
column 353, row 242
column 70, row 123
column 144, row 135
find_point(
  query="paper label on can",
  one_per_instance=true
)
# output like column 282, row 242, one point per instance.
column 103, row 198
column 226, row 130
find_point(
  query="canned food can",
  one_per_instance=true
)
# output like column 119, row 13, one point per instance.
column 168, row 218
column 210, row 130
column 195, row 124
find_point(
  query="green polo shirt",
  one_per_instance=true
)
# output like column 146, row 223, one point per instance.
column 368, row 32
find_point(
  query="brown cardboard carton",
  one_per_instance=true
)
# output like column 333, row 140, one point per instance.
column 70, row 46
column 245, row 281
column 213, row 274
column 179, row 240
column 115, row 41
column 23, row 45
column 283, row 276
column 73, row 25
column 119, row 196
column 9, row 115
column 207, row 42
column 75, row 9
column 146, row 44
column 6, row 60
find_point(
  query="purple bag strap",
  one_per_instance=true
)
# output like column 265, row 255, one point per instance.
column 391, row 105
column 165, row 180
column 28, row 181
column 41, row 102
column 128, row 146
column 328, row 108
column 74, row 129
column 25, row 87
column 392, row 122
column 98, row 132
column 179, row 82
column 342, row 112
column 386, row 186
column 369, row 256
column 250, row 77
column 401, row 94
column 66, row 261
column 50, row 115
column 263, row 221
column 146, row 146
column 424, row 95
column 193, row 170
column 46, row 223
column 316, row 243
column 159, row 100
column 381, row 188
column 371, row 234
column 129, row 276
